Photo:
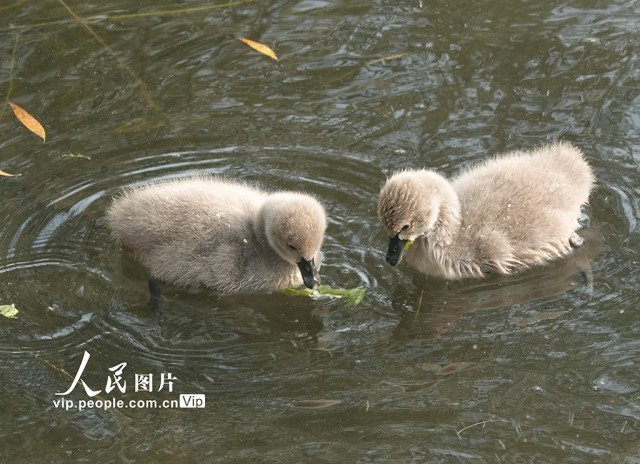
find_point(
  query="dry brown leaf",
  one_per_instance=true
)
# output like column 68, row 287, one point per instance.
column 260, row 48
column 2, row 173
column 29, row 121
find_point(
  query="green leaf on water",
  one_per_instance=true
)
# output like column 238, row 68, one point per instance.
column 297, row 292
column 9, row 311
column 407, row 244
column 352, row 296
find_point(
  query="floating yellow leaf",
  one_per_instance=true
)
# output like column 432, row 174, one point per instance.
column 260, row 48
column 71, row 154
column 2, row 173
column 29, row 121
column 9, row 311
column 386, row 58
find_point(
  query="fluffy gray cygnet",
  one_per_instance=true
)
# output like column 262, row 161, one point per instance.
column 225, row 235
column 503, row 215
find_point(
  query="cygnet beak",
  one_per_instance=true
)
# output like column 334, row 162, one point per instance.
column 396, row 248
column 310, row 275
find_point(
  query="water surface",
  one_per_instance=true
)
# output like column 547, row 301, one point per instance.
column 539, row 367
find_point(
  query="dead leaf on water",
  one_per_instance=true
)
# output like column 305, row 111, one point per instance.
column 74, row 155
column 6, row 174
column 386, row 58
column 28, row 121
column 315, row 404
column 259, row 48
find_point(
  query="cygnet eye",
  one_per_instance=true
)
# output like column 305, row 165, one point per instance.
column 292, row 247
column 405, row 227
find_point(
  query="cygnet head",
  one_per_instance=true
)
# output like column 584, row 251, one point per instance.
column 409, row 207
column 294, row 225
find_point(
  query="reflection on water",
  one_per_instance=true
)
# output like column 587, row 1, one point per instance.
column 542, row 365
column 434, row 309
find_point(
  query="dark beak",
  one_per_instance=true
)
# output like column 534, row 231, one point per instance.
column 310, row 275
column 396, row 248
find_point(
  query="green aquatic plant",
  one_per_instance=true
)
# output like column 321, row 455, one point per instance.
column 407, row 244
column 352, row 296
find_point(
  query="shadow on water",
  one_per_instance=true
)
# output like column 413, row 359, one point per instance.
column 195, row 317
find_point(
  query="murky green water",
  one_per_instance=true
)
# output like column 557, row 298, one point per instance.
column 543, row 367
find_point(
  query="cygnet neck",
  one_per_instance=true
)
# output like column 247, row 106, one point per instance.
column 259, row 228
column 447, row 226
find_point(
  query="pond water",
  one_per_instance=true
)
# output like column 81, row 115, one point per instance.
column 541, row 367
